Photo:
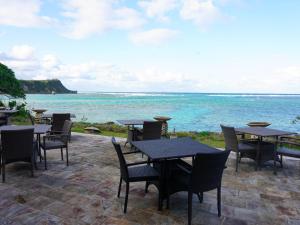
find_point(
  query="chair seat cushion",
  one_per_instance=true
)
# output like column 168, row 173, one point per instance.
column 141, row 173
column 289, row 152
column 247, row 147
column 52, row 144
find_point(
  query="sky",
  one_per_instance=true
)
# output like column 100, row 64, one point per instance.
column 219, row 46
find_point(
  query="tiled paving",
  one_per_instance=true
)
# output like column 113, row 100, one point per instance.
column 85, row 193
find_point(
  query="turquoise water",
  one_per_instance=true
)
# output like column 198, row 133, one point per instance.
column 196, row 112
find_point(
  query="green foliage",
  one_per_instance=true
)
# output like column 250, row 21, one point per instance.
column 9, row 84
column 12, row 104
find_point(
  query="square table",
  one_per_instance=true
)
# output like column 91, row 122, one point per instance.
column 164, row 150
column 262, row 132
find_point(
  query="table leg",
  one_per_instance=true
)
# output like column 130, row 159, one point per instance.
column 275, row 156
column 257, row 159
column 39, row 146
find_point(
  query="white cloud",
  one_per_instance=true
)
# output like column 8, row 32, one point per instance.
column 152, row 37
column 20, row 52
column 201, row 12
column 88, row 17
column 158, row 8
column 22, row 13
column 49, row 61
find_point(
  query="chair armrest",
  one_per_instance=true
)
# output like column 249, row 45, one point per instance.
column 290, row 137
column 138, row 163
column 184, row 169
column 289, row 143
column 133, row 152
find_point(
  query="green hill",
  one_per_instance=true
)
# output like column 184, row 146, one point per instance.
column 44, row 87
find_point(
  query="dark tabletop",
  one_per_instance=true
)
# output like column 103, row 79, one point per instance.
column 132, row 122
column 172, row 148
column 38, row 128
column 263, row 131
column 50, row 115
column 8, row 111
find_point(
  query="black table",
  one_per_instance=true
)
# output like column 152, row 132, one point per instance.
column 50, row 116
column 262, row 132
column 163, row 150
column 130, row 125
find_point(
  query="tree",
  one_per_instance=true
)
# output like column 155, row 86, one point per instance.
column 9, row 85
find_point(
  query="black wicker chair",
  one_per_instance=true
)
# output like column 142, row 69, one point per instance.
column 58, row 120
column 17, row 145
column 244, row 149
column 57, row 141
column 205, row 175
column 3, row 119
column 133, row 172
column 151, row 130
column 287, row 147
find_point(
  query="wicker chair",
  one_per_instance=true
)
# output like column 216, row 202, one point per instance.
column 17, row 145
column 133, row 172
column 58, row 120
column 205, row 175
column 287, row 147
column 3, row 119
column 246, row 149
column 57, row 141
column 151, row 130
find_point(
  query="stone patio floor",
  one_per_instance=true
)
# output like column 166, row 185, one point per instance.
column 85, row 192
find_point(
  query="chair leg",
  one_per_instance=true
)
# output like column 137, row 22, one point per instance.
column 3, row 172
column 200, row 197
column 67, row 155
column 190, row 198
column 32, row 167
column 146, row 187
column 219, row 201
column 126, row 197
column 120, row 185
column 61, row 153
column 237, row 162
column 45, row 159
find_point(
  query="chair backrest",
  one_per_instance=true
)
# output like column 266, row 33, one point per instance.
column 122, row 161
column 152, row 130
column 231, row 141
column 66, row 130
column 208, row 170
column 3, row 119
column 17, row 144
column 58, row 120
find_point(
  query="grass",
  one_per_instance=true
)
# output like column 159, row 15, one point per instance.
column 112, row 129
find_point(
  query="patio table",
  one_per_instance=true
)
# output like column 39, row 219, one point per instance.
column 163, row 150
column 130, row 125
column 262, row 132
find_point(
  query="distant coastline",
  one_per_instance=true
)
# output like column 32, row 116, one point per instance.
column 53, row 86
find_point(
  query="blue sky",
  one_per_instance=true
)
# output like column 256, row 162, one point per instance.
column 155, row 45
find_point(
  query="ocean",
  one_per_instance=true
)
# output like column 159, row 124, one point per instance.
column 189, row 111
